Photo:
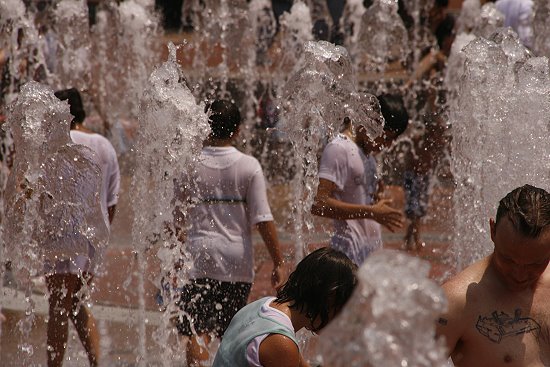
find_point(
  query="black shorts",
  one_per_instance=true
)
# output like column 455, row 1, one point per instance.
column 209, row 305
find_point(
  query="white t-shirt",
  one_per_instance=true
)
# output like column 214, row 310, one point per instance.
column 231, row 198
column 69, row 206
column 108, row 163
column 518, row 14
column 268, row 312
column 354, row 174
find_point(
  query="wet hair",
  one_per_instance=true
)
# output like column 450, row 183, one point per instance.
column 445, row 29
column 528, row 208
column 72, row 96
column 224, row 118
column 322, row 282
column 394, row 112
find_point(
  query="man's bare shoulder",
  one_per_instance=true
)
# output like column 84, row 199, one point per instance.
column 458, row 285
column 453, row 323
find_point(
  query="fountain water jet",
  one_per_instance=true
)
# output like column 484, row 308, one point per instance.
column 172, row 129
column 541, row 28
column 125, row 35
column 382, row 38
column 52, row 197
column 317, row 112
column 389, row 319
column 501, row 102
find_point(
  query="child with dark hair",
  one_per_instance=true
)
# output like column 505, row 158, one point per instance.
column 264, row 332
column 348, row 184
column 225, row 119
column 230, row 196
column 72, row 96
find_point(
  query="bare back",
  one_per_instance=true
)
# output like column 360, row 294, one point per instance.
column 489, row 325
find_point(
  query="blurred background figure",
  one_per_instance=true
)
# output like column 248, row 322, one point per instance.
column 518, row 14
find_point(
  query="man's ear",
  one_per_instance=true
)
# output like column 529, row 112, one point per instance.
column 493, row 227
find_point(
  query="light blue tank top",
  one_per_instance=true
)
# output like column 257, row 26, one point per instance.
column 247, row 324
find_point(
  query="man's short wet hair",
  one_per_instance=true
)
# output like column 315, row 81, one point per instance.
column 72, row 96
column 395, row 114
column 528, row 208
column 224, row 118
column 322, row 282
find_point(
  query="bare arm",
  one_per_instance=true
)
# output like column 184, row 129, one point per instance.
column 269, row 235
column 280, row 351
column 326, row 205
column 450, row 324
column 425, row 66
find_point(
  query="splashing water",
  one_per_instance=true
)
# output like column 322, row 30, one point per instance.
column 382, row 38
column 488, row 21
column 52, row 196
column 469, row 15
column 172, row 129
column 501, row 103
column 351, row 21
column 72, row 54
column 317, row 111
column 125, row 35
column 541, row 28
column 23, row 45
column 389, row 319
column 296, row 28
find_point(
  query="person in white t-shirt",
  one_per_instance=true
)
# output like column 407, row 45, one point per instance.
column 105, row 153
column 230, row 196
column 347, row 190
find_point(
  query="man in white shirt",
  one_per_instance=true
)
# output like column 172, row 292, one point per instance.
column 230, row 197
column 348, row 184
column 518, row 14
column 105, row 153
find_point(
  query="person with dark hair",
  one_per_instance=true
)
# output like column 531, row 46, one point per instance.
column 264, row 332
column 105, row 153
column 498, row 312
column 348, row 186
column 72, row 96
column 230, row 198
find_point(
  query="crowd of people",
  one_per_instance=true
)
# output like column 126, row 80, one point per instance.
column 497, row 314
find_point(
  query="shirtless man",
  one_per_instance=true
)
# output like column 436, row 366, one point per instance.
column 498, row 307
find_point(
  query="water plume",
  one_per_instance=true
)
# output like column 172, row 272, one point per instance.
column 390, row 318
column 172, row 129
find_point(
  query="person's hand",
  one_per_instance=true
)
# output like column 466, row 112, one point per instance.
column 386, row 215
column 277, row 276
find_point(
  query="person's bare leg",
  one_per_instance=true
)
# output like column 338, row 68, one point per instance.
column 85, row 326
column 409, row 237
column 61, row 289
column 197, row 350
column 416, row 234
